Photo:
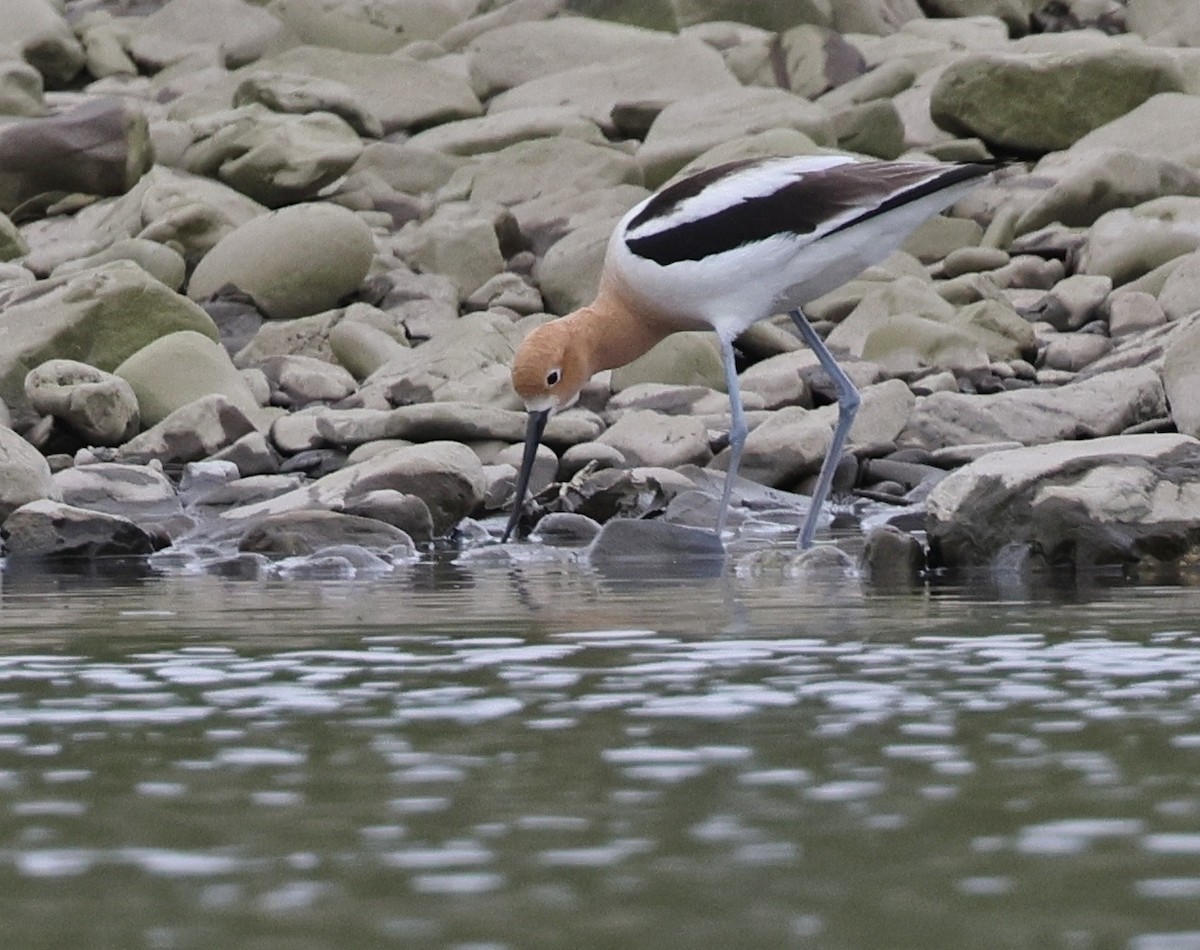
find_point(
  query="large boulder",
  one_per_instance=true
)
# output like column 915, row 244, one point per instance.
column 99, row 317
column 293, row 262
column 1109, row 501
column 24, row 473
column 52, row 529
column 1046, row 101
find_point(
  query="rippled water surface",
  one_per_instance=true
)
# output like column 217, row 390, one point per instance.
column 542, row 757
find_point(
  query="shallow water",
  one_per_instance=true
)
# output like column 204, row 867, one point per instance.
column 539, row 756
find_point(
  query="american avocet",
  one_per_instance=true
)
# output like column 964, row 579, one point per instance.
column 720, row 250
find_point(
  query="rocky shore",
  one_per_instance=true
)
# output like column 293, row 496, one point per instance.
column 263, row 268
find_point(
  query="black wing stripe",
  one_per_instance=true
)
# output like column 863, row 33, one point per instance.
column 799, row 207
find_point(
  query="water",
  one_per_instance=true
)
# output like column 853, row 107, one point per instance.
column 536, row 756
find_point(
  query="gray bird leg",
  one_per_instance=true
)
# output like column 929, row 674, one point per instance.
column 737, row 429
column 848, row 403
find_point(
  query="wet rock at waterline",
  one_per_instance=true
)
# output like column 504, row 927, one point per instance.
column 263, row 263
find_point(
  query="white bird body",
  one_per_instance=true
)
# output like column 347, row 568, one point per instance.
column 721, row 250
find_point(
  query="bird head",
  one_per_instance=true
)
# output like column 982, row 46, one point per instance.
column 548, row 369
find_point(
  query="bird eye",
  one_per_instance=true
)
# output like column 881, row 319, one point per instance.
column 553, row 377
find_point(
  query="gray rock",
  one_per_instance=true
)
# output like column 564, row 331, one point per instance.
column 1181, row 379
column 1127, row 243
column 790, row 444
column 140, row 493
column 1098, row 406
column 508, row 291
column 689, row 127
column 447, row 476
column 644, row 437
column 52, row 529
column 299, row 380
column 99, row 148
column 635, row 544
column 1077, row 505
column 190, row 433
column 300, row 95
column 491, row 133
column 24, row 473
column 236, row 31
column 20, row 89
column 40, row 34
column 163, row 263
column 1042, row 102
column 409, row 513
column 99, row 317
column 873, row 128
column 680, row 69
column 892, row 558
column 683, row 359
column 252, row 455
column 99, row 406
column 1180, row 294
column 361, row 347
column 293, row 262
column 306, row 532
column 179, row 368
column 1073, row 302
column 274, row 158
column 1073, row 352
column 457, row 242
column 1164, row 22
column 432, row 95
column 569, row 273
column 1131, row 311
column 511, row 55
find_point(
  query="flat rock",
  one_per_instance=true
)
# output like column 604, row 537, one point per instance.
column 302, row 95
column 1107, row 501
column 101, row 407
column 447, row 476
column 1128, row 243
column 349, row 25
column 1181, row 379
column 306, row 532
column 432, row 95
column 52, row 529
column 790, row 444
column 238, row 32
column 638, row 543
column 296, row 261
column 491, row 133
column 140, row 493
column 1101, row 405
column 645, row 437
column 300, row 380
column 409, row 513
column 681, row 69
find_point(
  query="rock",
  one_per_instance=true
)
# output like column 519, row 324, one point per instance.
column 99, row 406
column 99, row 317
column 545, row 167
column 1043, row 102
column 137, row 492
column 569, row 273
column 362, row 348
column 877, row 302
column 816, row 59
column 761, row 13
column 506, row 290
column 1098, row 406
column 492, row 133
column 301, row 95
column 40, row 34
column 565, row 529
column 251, row 454
column 274, row 158
column 1085, row 182
column 52, row 529
column 1109, row 501
column 644, row 437
column 881, row 17
column 790, row 444
column 892, row 558
column 511, row 55
column 1181, row 379
column 1129, row 242
column 689, row 127
column 432, row 95
column 1014, row 13
column 680, row 69
column 20, row 89
column 1164, row 22
column 456, row 242
column 1131, row 311
column 635, row 543
column 300, row 380
column 447, row 476
column 1073, row 302
column 306, row 532
column 873, row 128
column 163, row 263
column 24, row 473
column 190, row 433
column 99, row 148
column 178, row 369
column 683, row 359
column 1180, row 294
column 409, row 513
column 12, row 244
column 347, row 24
column 1073, row 352
column 238, row 32
column 293, row 262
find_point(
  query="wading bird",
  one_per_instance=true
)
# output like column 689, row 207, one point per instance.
column 721, row 250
